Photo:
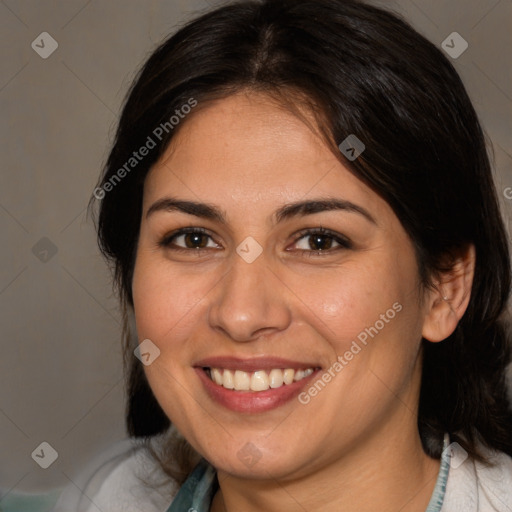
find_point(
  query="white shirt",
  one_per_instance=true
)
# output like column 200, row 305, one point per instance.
column 117, row 485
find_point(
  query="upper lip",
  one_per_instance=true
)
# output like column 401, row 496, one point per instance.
column 254, row 364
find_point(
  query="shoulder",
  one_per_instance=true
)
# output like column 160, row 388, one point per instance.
column 127, row 479
column 495, row 482
column 476, row 487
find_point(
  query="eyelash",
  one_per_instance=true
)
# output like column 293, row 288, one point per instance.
column 343, row 242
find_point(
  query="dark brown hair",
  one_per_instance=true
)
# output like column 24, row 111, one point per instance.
column 364, row 71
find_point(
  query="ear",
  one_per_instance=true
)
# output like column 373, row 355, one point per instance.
column 448, row 301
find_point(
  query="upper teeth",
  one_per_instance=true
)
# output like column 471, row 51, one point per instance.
column 256, row 381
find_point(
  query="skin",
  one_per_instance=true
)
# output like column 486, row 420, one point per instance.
column 355, row 446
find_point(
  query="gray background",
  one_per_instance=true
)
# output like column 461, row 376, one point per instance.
column 60, row 368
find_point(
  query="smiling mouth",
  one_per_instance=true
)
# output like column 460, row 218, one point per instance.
column 260, row 380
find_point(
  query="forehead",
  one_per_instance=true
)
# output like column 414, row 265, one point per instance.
column 248, row 150
column 244, row 128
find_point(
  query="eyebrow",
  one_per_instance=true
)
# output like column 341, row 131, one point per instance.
column 297, row 209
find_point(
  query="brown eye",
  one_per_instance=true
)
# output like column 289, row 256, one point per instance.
column 321, row 240
column 195, row 240
column 188, row 239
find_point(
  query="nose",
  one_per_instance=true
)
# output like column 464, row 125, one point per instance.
column 249, row 301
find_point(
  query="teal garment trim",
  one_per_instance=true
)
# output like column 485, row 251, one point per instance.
column 18, row 502
column 197, row 493
column 436, row 502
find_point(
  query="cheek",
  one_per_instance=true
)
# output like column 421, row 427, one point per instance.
column 165, row 300
column 368, row 316
column 357, row 299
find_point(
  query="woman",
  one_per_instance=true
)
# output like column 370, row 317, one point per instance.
column 301, row 215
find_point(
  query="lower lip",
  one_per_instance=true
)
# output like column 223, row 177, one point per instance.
column 253, row 401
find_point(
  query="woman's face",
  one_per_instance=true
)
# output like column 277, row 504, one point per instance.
column 260, row 296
